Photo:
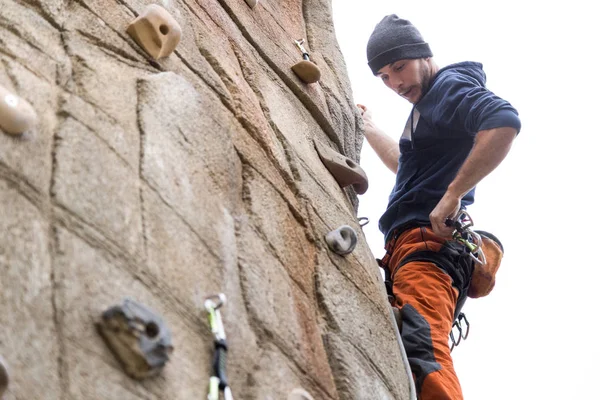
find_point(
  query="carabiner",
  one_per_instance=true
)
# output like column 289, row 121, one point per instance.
column 463, row 317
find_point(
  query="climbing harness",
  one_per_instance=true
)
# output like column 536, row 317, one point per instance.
column 456, row 258
column 465, row 235
column 218, row 380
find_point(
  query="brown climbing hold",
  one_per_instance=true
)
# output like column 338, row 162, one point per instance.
column 306, row 70
column 156, row 31
column 252, row 3
column 344, row 170
column 299, row 394
column 16, row 115
column 3, row 377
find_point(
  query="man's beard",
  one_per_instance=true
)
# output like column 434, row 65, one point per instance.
column 425, row 76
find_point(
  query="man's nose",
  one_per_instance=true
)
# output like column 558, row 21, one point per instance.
column 394, row 83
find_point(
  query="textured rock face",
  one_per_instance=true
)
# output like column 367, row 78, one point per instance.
column 167, row 181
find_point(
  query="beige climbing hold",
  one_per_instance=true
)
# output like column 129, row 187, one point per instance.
column 252, row 3
column 306, row 70
column 156, row 31
column 3, row 377
column 344, row 170
column 16, row 115
column 299, row 394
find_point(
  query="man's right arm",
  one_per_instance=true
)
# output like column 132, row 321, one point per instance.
column 385, row 147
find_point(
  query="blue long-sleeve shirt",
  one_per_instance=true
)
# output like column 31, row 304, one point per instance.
column 456, row 107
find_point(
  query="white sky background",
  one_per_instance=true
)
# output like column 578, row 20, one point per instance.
column 536, row 336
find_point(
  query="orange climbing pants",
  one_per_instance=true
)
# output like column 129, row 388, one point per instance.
column 427, row 299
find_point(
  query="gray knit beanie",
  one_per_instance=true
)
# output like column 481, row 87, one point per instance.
column 395, row 39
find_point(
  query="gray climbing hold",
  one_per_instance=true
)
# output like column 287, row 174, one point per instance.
column 344, row 170
column 299, row 394
column 252, row 3
column 342, row 240
column 156, row 31
column 3, row 377
column 16, row 115
column 138, row 338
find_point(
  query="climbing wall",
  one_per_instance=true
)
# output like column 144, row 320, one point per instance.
column 169, row 180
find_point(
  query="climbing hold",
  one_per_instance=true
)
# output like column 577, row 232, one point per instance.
column 156, row 31
column 299, row 394
column 138, row 338
column 252, row 3
column 3, row 377
column 342, row 240
column 344, row 170
column 16, row 115
column 306, row 69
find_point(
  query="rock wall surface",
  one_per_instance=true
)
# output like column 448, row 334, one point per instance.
column 167, row 181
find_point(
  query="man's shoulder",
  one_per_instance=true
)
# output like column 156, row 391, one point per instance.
column 467, row 73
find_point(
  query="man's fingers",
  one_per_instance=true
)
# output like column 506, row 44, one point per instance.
column 439, row 226
column 363, row 109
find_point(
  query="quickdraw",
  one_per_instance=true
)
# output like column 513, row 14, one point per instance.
column 462, row 333
column 463, row 234
column 218, row 380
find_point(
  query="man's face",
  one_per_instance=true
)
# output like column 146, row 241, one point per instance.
column 409, row 78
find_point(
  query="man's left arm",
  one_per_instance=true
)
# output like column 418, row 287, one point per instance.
column 489, row 149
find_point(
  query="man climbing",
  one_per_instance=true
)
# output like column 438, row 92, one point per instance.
column 456, row 134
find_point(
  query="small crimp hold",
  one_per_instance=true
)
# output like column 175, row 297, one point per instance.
column 344, row 170
column 342, row 240
column 3, row 377
column 156, row 31
column 299, row 394
column 252, row 3
column 138, row 338
column 16, row 115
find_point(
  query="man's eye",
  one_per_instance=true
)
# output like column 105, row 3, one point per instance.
column 399, row 68
column 384, row 78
